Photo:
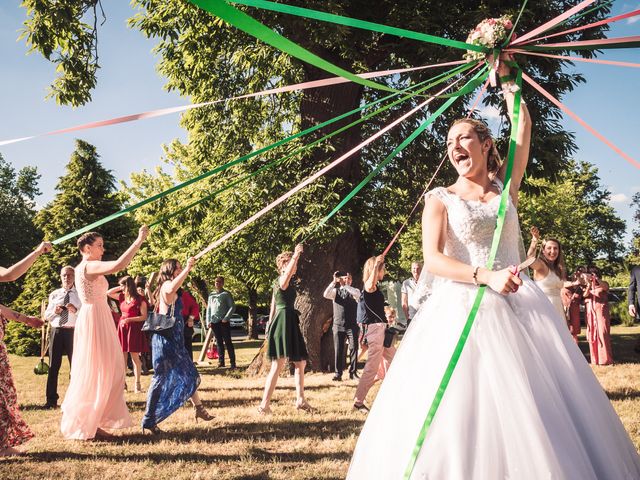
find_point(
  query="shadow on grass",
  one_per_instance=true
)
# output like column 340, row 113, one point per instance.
column 256, row 454
column 623, row 394
column 286, row 429
column 623, row 346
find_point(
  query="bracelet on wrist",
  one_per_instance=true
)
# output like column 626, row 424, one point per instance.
column 475, row 276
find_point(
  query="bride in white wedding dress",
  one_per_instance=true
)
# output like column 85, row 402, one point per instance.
column 522, row 402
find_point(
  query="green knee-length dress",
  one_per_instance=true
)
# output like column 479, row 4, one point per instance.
column 285, row 337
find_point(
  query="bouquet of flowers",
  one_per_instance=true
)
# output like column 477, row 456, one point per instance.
column 489, row 33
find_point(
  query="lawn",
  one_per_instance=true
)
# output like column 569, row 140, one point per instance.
column 239, row 443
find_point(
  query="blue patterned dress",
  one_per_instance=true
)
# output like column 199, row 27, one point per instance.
column 175, row 378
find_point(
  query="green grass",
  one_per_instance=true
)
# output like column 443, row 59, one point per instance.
column 239, row 443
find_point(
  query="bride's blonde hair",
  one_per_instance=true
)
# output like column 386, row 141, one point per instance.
column 494, row 162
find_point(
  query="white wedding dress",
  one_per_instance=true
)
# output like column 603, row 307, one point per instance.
column 522, row 404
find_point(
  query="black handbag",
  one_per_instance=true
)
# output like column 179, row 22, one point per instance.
column 160, row 322
column 389, row 336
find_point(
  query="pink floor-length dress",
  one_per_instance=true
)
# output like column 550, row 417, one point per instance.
column 598, row 327
column 95, row 397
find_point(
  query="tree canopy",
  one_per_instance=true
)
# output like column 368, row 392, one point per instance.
column 19, row 234
column 86, row 193
column 204, row 58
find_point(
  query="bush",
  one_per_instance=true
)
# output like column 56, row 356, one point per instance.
column 22, row 339
column 620, row 314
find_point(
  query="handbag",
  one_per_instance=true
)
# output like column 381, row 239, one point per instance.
column 389, row 336
column 160, row 322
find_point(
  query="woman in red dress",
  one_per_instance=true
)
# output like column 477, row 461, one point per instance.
column 134, row 312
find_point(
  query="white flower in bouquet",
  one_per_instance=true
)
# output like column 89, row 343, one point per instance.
column 489, row 33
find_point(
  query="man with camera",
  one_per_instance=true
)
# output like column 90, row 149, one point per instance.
column 61, row 311
column 345, row 327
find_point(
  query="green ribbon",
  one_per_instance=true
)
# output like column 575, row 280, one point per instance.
column 429, row 84
column 478, row 78
column 502, row 210
column 352, row 22
column 249, row 25
column 513, row 28
column 244, row 158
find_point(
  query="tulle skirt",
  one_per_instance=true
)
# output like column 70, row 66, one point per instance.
column 522, row 403
column 95, row 397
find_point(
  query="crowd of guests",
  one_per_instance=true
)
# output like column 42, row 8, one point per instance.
column 82, row 329
column 568, row 292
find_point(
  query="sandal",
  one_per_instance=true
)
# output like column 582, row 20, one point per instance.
column 305, row 407
column 264, row 410
column 360, row 407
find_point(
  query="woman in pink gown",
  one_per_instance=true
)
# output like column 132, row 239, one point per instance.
column 598, row 319
column 94, row 401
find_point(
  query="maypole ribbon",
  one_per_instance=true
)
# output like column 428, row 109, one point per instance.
column 421, row 128
column 251, row 26
column 502, row 210
column 586, row 27
column 568, row 58
column 590, row 129
column 433, row 177
column 183, row 108
column 317, row 175
column 227, row 165
column 432, row 82
column 364, row 25
column 601, row 44
column 553, row 22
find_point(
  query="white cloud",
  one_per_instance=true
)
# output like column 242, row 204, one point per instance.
column 489, row 112
column 619, row 198
column 633, row 20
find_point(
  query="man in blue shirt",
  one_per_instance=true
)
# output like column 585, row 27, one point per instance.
column 220, row 307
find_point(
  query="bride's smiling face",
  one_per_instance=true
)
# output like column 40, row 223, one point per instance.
column 466, row 152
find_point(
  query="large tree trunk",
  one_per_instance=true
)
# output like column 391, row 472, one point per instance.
column 252, row 295
column 342, row 253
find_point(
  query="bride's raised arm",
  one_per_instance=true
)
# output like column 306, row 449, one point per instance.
column 523, row 138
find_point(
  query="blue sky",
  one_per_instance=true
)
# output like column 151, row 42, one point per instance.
column 128, row 83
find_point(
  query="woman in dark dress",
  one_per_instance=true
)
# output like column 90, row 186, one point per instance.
column 175, row 378
column 284, row 339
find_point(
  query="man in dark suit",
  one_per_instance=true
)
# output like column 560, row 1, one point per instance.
column 634, row 298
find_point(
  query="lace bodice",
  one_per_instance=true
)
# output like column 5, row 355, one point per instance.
column 90, row 291
column 470, row 227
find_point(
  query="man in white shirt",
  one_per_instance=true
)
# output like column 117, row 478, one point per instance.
column 61, row 312
column 409, row 290
column 345, row 327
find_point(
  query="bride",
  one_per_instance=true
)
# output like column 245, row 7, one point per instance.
column 522, row 402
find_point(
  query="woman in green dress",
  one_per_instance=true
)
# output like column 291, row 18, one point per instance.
column 284, row 339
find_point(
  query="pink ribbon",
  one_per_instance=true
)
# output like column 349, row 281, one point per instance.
column 426, row 189
column 553, row 22
column 321, row 172
column 590, row 129
column 584, row 27
column 166, row 111
column 576, row 59
column 602, row 41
